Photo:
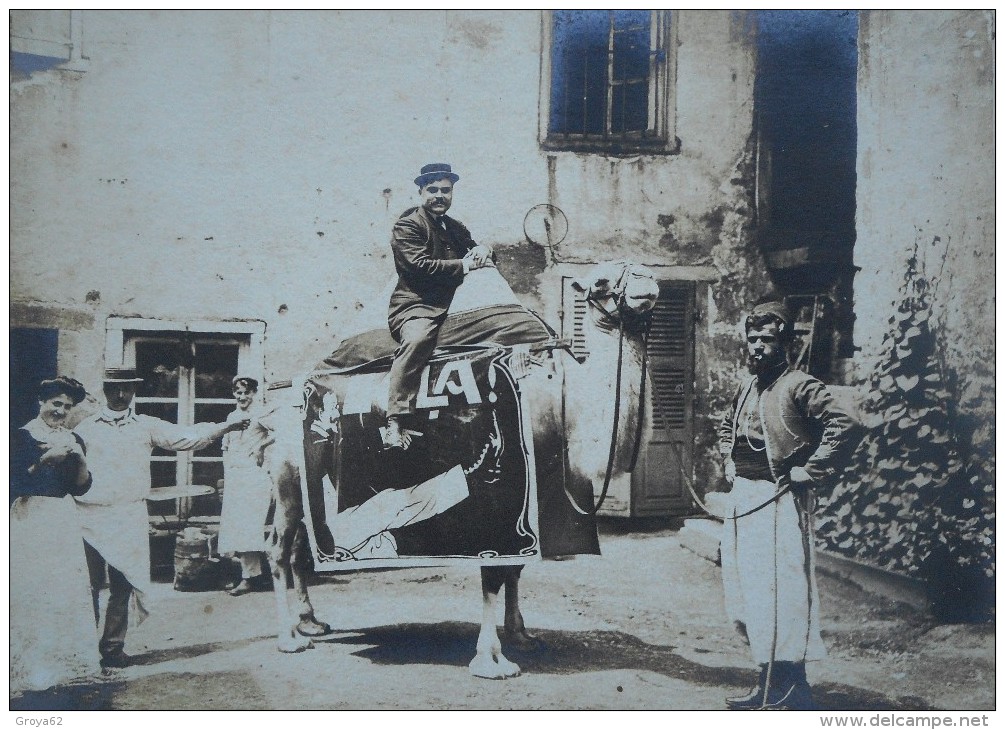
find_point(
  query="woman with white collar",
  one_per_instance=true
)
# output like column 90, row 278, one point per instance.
column 52, row 633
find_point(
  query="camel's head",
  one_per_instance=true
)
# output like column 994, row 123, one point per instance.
column 624, row 293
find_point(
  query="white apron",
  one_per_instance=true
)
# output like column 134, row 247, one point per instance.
column 52, row 632
column 247, row 491
column 121, row 534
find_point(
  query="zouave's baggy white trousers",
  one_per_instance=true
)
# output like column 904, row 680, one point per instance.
column 768, row 578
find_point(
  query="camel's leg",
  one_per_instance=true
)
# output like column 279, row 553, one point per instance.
column 489, row 661
column 288, row 640
column 308, row 625
column 514, row 629
column 280, row 551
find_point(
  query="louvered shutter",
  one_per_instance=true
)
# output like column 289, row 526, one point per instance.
column 668, row 350
column 574, row 307
column 657, row 485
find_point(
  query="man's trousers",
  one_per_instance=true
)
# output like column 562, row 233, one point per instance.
column 768, row 574
column 416, row 342
column 113, row 637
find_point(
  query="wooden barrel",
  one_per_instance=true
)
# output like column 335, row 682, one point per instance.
column 196, row 565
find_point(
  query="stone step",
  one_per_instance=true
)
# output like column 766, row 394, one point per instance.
column 701, row 536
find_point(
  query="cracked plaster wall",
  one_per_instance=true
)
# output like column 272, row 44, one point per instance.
column 926, row 175
column 250, row 166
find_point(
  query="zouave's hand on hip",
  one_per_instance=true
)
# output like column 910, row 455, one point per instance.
column 800, row 477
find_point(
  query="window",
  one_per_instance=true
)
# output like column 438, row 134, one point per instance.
column 608, row 81
column 44, row 39
column 186, row 381
column 187, row 371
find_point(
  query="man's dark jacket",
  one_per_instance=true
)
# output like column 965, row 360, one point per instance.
column 804, row 425
column 428, row 260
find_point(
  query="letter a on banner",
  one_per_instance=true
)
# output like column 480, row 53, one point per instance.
column 464, row 384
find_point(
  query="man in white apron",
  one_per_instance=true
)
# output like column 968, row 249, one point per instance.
column 784, row 437
column 113, row 513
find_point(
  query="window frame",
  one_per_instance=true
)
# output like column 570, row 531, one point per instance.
column 122, row 336
column 659, row 138
column 66, row 52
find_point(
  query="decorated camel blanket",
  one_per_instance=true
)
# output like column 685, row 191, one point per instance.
column 476, row 487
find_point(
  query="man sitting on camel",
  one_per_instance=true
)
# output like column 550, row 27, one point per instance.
column 432, row 255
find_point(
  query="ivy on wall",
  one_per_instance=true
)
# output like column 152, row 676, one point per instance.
column 916, row 498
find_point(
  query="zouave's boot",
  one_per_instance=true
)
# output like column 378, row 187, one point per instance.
column 753, row 699
column 789, row 690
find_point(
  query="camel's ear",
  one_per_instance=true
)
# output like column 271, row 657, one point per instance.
column 601, row 280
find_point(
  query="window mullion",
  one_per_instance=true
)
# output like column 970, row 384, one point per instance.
column 655, row 73
column 609, row 86
column 186, row 408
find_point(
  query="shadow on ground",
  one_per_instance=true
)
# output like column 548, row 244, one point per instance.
column 189, row 690
column 448, row 643
column 169, row 691
column 570, row 652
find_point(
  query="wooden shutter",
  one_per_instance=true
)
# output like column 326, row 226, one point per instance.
column 574, row 308
column 668, row 351
column 657, row 485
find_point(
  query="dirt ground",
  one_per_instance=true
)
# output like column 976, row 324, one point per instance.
column 640, row 628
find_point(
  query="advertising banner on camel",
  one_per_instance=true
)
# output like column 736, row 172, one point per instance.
column 464, row 491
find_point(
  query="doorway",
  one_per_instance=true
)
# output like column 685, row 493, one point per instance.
column 33, row 354
column 805, row 104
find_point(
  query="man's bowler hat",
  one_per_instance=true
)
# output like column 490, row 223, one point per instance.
column 435, row 171
column 121, row 375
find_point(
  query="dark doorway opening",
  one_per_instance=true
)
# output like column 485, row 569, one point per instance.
column 32, row 359
column 805, row 101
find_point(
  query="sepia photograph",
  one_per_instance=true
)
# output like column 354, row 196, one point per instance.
column 482, row 360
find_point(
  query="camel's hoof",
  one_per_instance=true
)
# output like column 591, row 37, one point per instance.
column 524, row 641
column 295, row 644
column 508, row 668
column 312, row 627
column 489, row 668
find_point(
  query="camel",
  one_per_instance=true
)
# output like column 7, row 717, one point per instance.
column 593, row 405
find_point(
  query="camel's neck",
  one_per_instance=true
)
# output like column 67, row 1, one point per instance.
column 596, row 395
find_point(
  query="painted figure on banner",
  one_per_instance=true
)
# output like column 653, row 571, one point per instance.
column 785, row 438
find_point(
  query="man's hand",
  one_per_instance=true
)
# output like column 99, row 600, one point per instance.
column 730, row 470
column 800, row 477
column 237, row 421
column 478, row 257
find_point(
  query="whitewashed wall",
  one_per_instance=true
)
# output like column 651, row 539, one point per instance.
column 926, row 175
column 249, row 165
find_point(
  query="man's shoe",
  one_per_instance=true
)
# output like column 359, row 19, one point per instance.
column 789, row 689
column 754, row 698
column 794, row 697
column 241, row 588
column 750, row 701
column 118, row 660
